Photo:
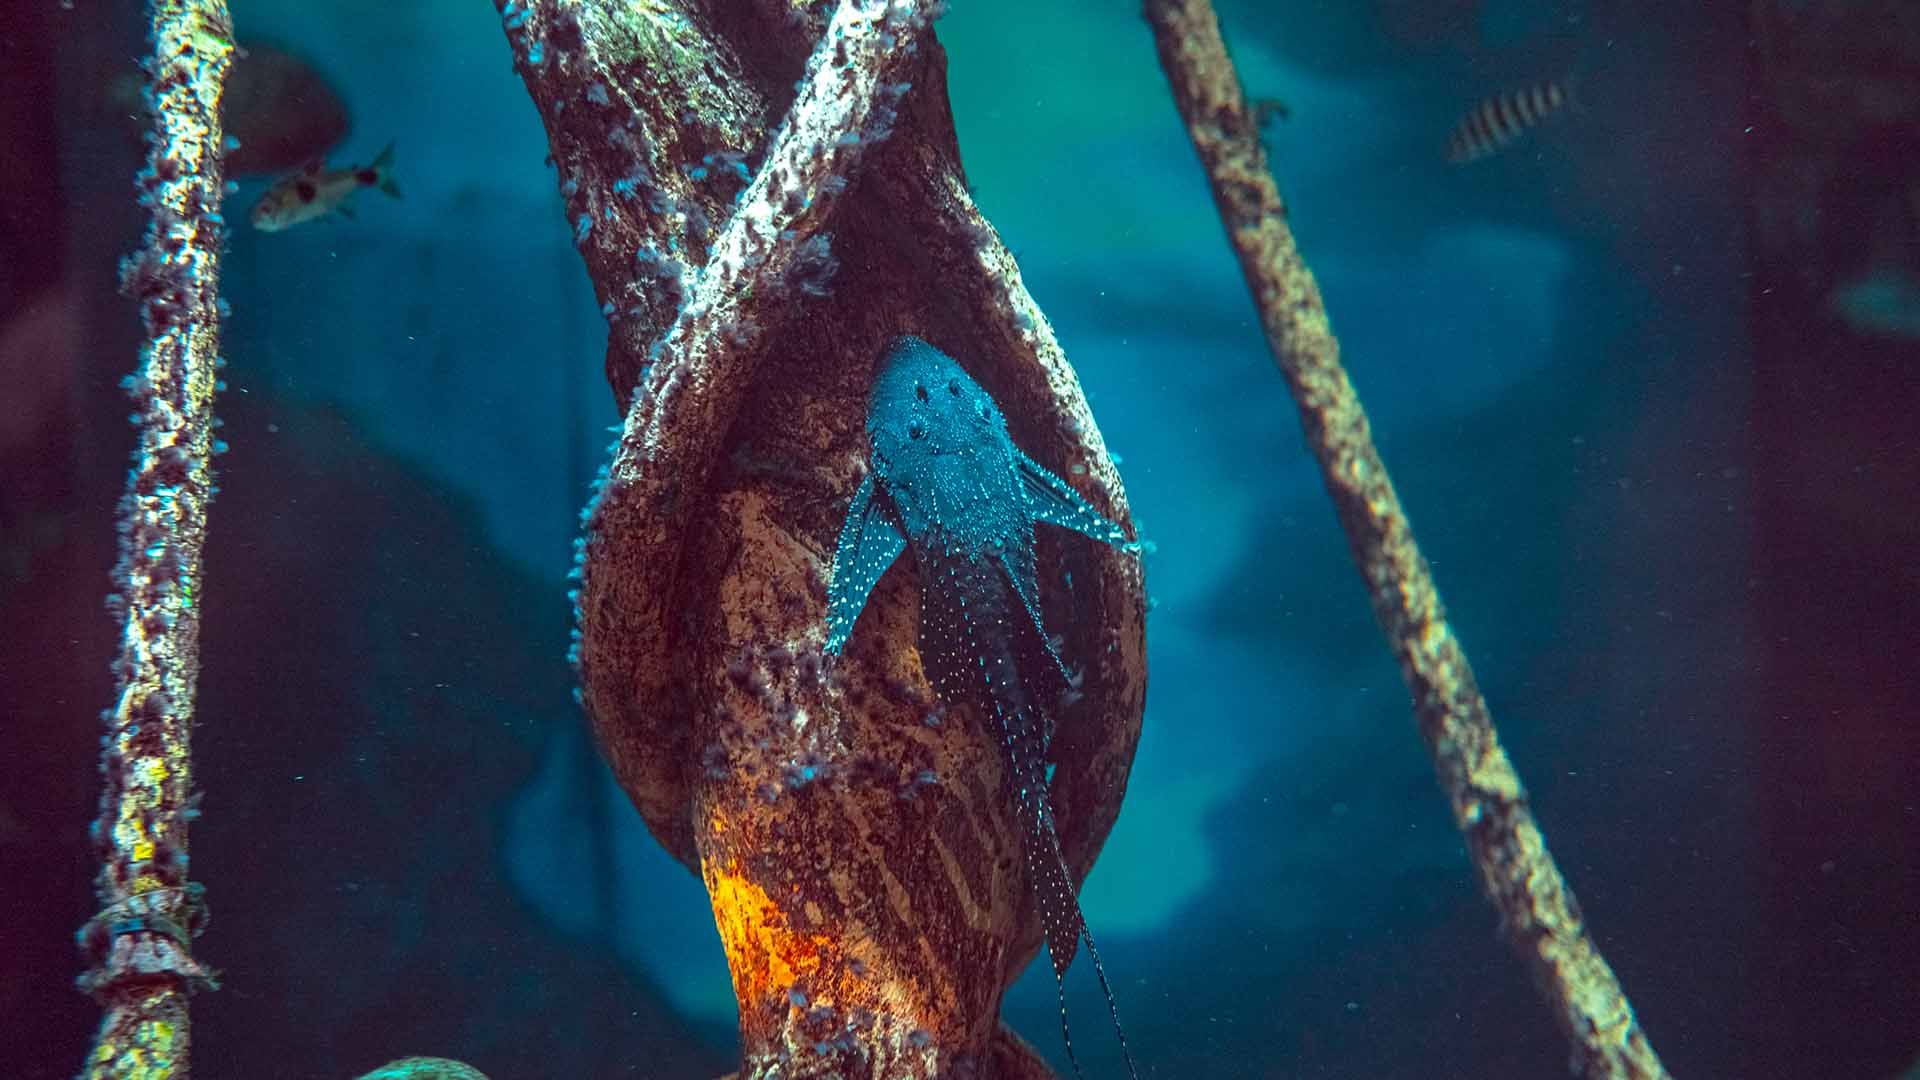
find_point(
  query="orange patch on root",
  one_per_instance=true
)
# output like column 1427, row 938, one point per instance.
column 766, row 955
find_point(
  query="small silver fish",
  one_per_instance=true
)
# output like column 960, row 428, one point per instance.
column 1490, row 126
column 317, row 191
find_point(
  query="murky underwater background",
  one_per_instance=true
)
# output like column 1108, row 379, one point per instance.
column 1665, row 473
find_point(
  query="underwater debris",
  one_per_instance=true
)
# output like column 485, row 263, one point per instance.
column 1269, row 110
column 813, row 266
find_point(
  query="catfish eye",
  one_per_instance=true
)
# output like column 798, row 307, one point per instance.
column 916, row 428
column 920, row 391
column 953, row 387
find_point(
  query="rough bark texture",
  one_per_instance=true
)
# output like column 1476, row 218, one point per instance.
column 856, row 840
column 141, row 941
column 1537, row 909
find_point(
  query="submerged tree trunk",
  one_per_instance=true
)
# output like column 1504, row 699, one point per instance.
column 854, row 837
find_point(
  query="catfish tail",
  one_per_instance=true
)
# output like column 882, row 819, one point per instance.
column 1053, row 891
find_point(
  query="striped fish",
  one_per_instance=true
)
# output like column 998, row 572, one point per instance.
column 1488, row 127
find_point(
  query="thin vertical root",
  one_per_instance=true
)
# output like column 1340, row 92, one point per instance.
column 1537, row 909
column 140, row 944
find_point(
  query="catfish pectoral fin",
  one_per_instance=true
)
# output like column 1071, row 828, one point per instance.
column 1053, row 500
column 870, row 541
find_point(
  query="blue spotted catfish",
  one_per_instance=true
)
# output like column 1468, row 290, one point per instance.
column 948, row 484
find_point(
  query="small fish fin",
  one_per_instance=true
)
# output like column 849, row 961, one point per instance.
column 1053, row 500
column 346, row 210
column 382, row 165
column 870, row 540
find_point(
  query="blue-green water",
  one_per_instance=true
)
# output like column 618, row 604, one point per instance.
column 1672, row 520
